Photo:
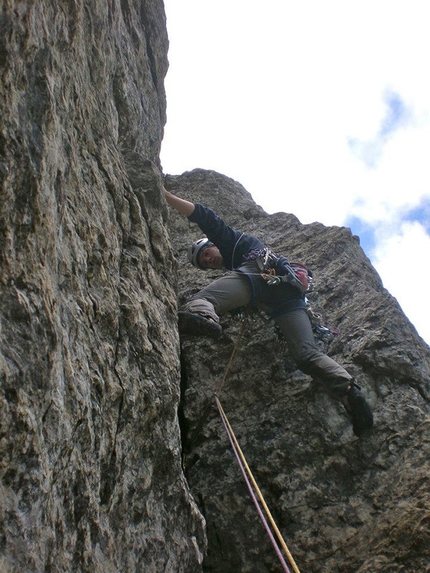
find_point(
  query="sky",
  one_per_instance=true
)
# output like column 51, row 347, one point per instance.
column 320, row 109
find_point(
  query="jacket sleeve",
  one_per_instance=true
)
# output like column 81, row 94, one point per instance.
column 233, row 245
column 212, row 225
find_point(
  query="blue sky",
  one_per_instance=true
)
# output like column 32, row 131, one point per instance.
column 321, row 109
column 368, row 233
column 396, row 116
column 419, row 213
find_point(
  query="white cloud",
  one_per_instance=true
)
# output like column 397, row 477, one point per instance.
column 401, row 258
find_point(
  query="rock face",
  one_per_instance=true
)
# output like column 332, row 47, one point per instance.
column 112, row 455
column 90, row 451
column 342, row 504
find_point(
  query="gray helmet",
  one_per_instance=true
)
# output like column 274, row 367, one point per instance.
column 195, row 249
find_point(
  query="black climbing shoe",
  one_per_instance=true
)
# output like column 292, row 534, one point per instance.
column 359, row 410
column 198, row 325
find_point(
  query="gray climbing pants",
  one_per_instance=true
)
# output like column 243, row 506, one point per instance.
column 234, row 290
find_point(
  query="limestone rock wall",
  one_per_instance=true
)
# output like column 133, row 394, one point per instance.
column 90, row 451
column 343, row 505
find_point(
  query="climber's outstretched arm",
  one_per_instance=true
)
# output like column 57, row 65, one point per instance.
column 181, row 205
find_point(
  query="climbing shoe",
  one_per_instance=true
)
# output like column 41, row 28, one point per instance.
column 358, row 409
column 198, row 325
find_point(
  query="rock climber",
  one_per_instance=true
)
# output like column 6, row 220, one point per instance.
column 265, row 280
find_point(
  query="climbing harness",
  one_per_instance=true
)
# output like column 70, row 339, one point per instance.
column 267, row 260
column 253, row 488
column 296, row 274
column 276, row 270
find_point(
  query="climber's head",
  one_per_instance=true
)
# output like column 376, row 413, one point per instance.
column 205, row 255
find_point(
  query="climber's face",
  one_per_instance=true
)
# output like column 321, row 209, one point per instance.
column 211, row 258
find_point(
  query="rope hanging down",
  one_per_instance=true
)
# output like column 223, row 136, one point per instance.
column 251, row 483
column 249, row 478
column 221, row 384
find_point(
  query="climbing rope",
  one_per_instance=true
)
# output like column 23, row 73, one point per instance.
column 249, row 478
column 251, row 483
column 196, row 433
column 227, row 368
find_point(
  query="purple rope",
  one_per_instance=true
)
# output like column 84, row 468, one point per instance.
column 254, row 498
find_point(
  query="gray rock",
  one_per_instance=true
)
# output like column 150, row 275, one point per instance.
column 90, row 449
column 342, row 504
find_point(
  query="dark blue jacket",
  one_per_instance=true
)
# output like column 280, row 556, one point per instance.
column 234, row 247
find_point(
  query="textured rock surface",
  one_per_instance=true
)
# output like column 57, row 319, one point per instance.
column 343, row 505
column 90, row 461
column 90, row 444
